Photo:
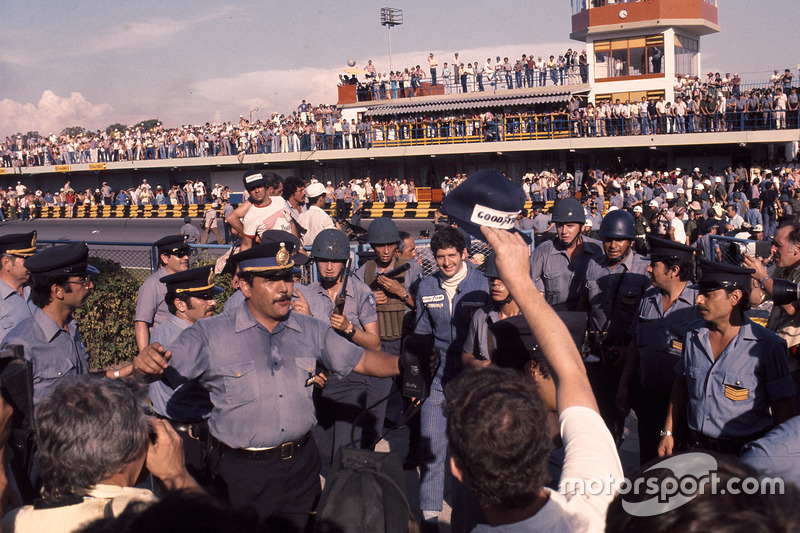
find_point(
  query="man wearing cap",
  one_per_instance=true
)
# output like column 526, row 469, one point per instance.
column 189, row 231
column 343, row 397
column 265, row 209
column 50, row 338
column 658, row 329
column 15, row 292
column 558, row 266
column 151, row 308
column 189, row 298
column 256, row 364
column 314, row 219
column 732, row 380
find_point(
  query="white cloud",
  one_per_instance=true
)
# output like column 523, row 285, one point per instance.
column 52, row 113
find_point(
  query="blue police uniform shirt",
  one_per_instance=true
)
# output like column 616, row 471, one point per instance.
column 601, row 286
column 778, row 452
column 150, row 304
column 54, row 352
column 233, row 302
column 187, row 403
column 449, row 329
column 257, row 378
column 359, row 303
column 556, row 275
column 14, row 307
column 730, row 397
column 659, row 336
column 477, row 341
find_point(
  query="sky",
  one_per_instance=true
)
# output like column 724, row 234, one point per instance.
column 94, row 63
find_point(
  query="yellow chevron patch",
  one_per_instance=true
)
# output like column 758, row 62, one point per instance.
column 737, row 394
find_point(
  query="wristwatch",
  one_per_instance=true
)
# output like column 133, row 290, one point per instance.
column 352, row 333
column 666, row 433
column 404, row 299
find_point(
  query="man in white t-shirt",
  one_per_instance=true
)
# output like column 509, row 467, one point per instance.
column 265, row 209
column 677, row 231
column 314, row 219
column 492, row 405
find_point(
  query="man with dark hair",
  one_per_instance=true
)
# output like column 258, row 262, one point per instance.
column 294, row 192
column 256, row 363
column 93, row 440
column 15, row 292
column 660, row 323
column 60, row 283
column 446, row 299
column 492, row 406
column 733, row 382
column 151, row 308
column 783, row 319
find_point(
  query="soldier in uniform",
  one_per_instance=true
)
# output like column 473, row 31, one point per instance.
column 615, row 283
column 342, row 398
column 446, row 298
column 732, row 381
column 151, row 308
column 256, row 364
column 558, row 267
column 15, row 293
column 665, row 311
column 190, row 297
column 60, row 283
column 480, row 342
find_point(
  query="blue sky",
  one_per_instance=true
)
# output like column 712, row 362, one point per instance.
column 94, row 63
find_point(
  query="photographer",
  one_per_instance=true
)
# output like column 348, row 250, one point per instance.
column 784, row 319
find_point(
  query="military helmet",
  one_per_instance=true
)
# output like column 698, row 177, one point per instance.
column 618, row 224
column 331, row 244
column 383, row 230
column 567, row 211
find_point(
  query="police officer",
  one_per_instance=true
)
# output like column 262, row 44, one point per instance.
column 642, row 229
column 664, row 313
column 151, row 308
column 256, row 364
column 343, row 398
column 60, row 283
column 15, row 293
column 558, row 267
column 732, row 381
column 190, row 297
column 446, row 298
column 480, row 342
column 615, row 282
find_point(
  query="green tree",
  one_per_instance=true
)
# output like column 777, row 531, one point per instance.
column 117, row 126
column 72, row 131
column 34, row 134
column 149, row 124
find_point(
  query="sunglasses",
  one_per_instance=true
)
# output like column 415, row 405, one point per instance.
column 180, row 254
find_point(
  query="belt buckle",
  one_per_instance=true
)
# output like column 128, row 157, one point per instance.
column 193, row 431
column 286, row 450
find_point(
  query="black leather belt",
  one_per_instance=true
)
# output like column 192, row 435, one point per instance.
column 283, row 451
column 195, row 430
column 723, row 446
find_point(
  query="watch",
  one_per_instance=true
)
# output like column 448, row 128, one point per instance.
column 352, row 333
column 666, row 433
column 404, row 299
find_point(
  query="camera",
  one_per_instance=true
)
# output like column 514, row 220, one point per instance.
column 784, row 291
column 416, row 374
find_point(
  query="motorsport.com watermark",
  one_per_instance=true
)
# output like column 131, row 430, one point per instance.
column 693, row 474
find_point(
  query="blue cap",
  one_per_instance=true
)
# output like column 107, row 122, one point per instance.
column 20, row 244
column 271, row 258
column 198, row 282
column 486, row 198
column 171, row 244
column 67, row 260
column 665, row 248
column 715, row 276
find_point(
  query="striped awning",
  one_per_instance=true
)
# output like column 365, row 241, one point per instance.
column 490, row 101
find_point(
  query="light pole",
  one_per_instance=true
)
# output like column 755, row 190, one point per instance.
column 251, row 114
column 391, row 17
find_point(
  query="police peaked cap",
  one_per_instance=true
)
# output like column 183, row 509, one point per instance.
column 21, row 244
column 277, row 235
column 171, row 244
column 270, row 258
column 665, row 248
column 67, row 260
column 198, row 282
column 485, row 198
column 722, row 275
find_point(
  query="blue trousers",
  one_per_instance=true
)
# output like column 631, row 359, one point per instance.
column 433, row 450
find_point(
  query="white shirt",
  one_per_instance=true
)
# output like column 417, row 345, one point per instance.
column 590, row 454
column 680, row 232
column 314, row 221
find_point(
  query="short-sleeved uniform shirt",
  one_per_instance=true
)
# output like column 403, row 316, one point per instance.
column 778, row 452
column 659, row 336
column 256, row 378
column 359, row 303
column 477, row 341
column 557, row 276
column 54, row 352
column 730, row 397
column 14, row 307
column 150, row 305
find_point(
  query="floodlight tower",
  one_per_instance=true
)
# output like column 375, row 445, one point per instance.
column 391, row 17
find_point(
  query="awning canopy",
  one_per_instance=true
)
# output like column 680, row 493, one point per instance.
column 489, row 101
